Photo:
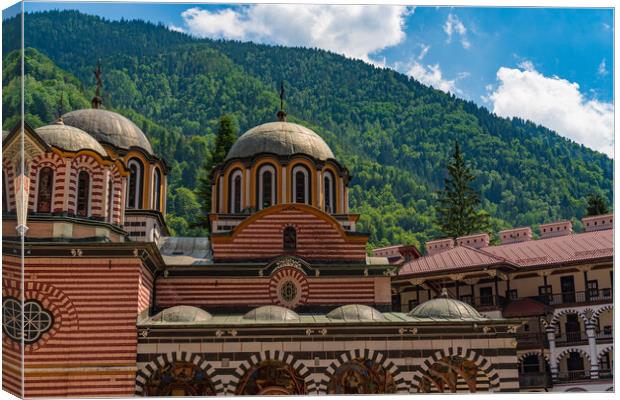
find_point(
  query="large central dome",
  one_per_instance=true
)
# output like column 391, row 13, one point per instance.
column 282, row 138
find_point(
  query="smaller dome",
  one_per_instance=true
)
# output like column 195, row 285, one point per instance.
column 182, row 314
column 356, row 312
column 68, row 138
column 271, row 313
column 109, row 127
column 444, row 307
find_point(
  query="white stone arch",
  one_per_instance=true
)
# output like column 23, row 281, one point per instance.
column 558, row 314
column 600, row 310
column 481, row 362
column 237, row 173
column 329, row 181
column 304, row 170
column 608, row 349
column 145, row 373
column 265, row 355
column 566, row 352
column 139, row 183
column 375, row 356
column 531, row 353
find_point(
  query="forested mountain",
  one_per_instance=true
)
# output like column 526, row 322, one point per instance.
column 393, row 133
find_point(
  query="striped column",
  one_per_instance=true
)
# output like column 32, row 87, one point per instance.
column 66, row 178
column 591, row 334
column 97, row 202
column 553, row 365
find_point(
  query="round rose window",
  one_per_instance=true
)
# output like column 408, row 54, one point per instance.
column 288, row 291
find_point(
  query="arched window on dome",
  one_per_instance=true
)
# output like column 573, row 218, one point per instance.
column 301, row 185
column 266, row 186
column 236, row 191
column 328, row 192
column 289, row 239
column 83, row 194
column 157, row 190
column 44, row 191
column 110, row 200
column 134, row 192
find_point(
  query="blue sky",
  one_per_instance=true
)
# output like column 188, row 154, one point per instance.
column 551, row 65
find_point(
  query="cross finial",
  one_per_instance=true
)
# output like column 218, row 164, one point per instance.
column 281, row 114
column 60, row 108
column 97, row 101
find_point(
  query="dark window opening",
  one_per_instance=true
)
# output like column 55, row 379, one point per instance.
column 83, row 193
column 290, row 239
column 329, row 207
column 486, row 296
column 237, row 195
column 267, row 200
column 44, row 194
column 300, row 187
column 134, row 191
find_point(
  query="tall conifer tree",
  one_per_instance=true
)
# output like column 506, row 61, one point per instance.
column 597, row 205
column 457, row 213
column 224, row 139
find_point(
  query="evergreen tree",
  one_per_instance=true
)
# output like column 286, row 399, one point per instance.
column 224, row 139
column 596, row 205
column 458, row 201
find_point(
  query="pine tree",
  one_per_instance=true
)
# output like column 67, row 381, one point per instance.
column 457, row 213
column 597, row 205
column 224, row 139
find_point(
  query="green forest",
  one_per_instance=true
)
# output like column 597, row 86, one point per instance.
column 394, row 134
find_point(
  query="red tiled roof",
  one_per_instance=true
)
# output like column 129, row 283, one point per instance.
column 456, row 258
column 563, row 249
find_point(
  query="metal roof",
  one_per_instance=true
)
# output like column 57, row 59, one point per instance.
column 281, row 138
column 185, row 251
column 109, row 127
column 68, row 138
column 444, row 308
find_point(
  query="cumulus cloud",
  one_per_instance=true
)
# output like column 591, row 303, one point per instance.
column 431, row 75
column 354, row 31
column 555, row 103
column 454, row 26
column 175, row 28
column 425, row 49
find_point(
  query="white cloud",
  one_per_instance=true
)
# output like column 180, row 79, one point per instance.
column 431, row 75
column 602, row 68
column 355, row 31
column 425, row 49
column 555, row 103
column 454, row 26
column 175, row 28
column 526, row 65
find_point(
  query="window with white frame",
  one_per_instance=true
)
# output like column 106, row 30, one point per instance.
column 301, row 185
column 236, row 191
column 266, row 186
column 134, row 192
column 328, row 192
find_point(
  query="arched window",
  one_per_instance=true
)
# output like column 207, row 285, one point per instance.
column 134, row 189
column 5, row 193
column 44, row 192
column 83, row 194
column 266, row 187
column 110, row 200
column 236, row 191
column 301, row 185
column 289, row 239
column 328, row 192
column 157, row 190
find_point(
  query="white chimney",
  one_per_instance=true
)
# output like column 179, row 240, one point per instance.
column 477, row 241
column 598, row 222
column 437, row 246
column 553, row 229
column 516, row 235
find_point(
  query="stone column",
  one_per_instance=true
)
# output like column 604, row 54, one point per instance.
column 553, row 366
column 591, row 334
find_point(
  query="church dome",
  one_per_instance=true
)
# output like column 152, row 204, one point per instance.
column 282, row 138
column 271, row 313
column 356, row 312
column 109, row 128
column 182, row 314
column 68, row 138
column 444, row 307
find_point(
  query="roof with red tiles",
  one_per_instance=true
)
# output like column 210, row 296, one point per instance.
column 571, row 248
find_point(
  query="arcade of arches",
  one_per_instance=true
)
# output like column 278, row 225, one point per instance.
column 271, row 377
column 179, row 379
column 452, row 374
column 361, row 376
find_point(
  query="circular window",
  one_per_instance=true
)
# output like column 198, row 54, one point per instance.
column 36, row 320
column 288, row 291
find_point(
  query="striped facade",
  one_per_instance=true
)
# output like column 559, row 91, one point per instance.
column 91, row 348
column 253, row 292
column 317, row 356
column 260, row 237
